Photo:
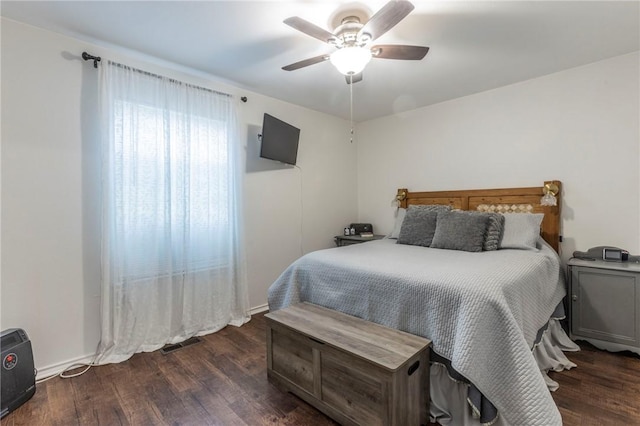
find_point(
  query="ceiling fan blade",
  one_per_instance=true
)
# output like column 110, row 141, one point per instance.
column 399, row 51
column 306, row 63
column 386, row 18
column 308, row 28
column 355, row 78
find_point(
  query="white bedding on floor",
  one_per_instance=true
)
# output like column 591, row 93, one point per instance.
column 481, row 310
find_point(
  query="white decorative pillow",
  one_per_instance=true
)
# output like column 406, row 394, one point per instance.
column 521, row 230
column 400, row 213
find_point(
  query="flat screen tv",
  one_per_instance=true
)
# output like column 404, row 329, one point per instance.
column 279, row 140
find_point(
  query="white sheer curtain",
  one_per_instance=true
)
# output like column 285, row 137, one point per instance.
column 172, row 254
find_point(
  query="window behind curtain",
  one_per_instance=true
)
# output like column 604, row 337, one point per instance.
column 172, row 191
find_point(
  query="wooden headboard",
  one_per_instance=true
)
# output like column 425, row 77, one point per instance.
column 505, row 200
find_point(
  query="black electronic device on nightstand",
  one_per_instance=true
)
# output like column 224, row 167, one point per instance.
column 18, row 374
column 362, row 228
column 607, row 253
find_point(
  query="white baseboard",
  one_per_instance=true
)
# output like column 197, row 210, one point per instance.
column 258, row 309
column 55, row 369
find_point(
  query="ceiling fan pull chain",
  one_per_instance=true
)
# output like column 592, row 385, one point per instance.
column 351, row 104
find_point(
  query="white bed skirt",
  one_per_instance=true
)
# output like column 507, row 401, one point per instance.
column 449, row 404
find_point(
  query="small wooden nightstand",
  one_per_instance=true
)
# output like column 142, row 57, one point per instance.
column 347, row 240
column 604, row 306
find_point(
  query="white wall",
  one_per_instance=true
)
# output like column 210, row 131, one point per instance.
column 51, row 188
column 580, row 126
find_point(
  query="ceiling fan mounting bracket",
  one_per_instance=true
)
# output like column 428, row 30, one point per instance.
column 360, row 11
column 350, row 19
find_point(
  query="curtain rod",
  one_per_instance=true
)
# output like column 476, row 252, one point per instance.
column 87, row 57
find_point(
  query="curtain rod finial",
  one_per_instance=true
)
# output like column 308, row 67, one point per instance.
column 88, row 57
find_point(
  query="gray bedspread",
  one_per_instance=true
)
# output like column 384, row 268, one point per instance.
column 481, row 310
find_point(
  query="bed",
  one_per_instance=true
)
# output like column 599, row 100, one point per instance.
column 492, row 315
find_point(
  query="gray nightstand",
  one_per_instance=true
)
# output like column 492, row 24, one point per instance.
column 347, row 240
column 604, row 303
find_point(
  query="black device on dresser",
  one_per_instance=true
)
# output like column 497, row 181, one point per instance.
column 17, row 376
column 362, row 228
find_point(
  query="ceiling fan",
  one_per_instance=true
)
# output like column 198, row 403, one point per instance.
column 352, row 39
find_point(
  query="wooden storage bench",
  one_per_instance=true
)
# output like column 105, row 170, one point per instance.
column 355, row 371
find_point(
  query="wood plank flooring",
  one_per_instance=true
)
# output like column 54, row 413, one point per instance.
column 223, row 381
column 603, row 390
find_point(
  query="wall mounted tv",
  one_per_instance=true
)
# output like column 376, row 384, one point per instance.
column 279, row 140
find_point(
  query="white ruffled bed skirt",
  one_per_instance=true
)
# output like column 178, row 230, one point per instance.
column 449, row 404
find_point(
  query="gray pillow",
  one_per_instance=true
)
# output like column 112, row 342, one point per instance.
column 495, row 229
column 419, row 225
column 521, row 230
column 460, row 230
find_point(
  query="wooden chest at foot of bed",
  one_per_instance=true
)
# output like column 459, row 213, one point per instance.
column 355, row 371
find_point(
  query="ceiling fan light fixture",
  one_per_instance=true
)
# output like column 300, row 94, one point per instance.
column 351, row 60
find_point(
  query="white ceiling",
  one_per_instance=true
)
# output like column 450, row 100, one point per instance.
column 475, row 45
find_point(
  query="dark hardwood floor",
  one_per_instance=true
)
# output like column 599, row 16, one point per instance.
column 223, row 381
column 603, row 390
